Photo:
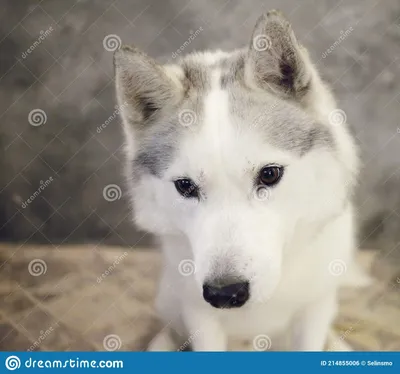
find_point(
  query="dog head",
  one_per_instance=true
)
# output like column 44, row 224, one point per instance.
column 235, row 153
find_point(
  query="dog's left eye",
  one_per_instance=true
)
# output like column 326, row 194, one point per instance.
column 186, row 187
column 270, row 175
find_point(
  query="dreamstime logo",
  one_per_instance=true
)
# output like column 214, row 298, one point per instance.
column 260, row 119
column 114, row 115
column 187, row 117
column 344, row 336
column 37, row 267
column 43, row 336
column 192, row 36
column 337, row 267
column 343, row 36
column 188, row 341
column 37, row 42
column 262, row 43
column 112, row 192
column 261, row 193
column 337, row 117
column 112, row 42
column 41, row 188
column 187, row 267
column 262, row 343
column 37, row 117
column 112, row 343
column 111, row 268
column 12, row 363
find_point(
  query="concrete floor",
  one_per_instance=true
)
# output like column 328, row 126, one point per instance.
column 63, row 299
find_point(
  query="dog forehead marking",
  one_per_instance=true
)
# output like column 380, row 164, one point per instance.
column 216, row 109
column 211, row 139
column 279, row 123
column 219, row 97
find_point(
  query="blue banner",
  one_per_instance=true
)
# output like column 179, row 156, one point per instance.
column 200, row 362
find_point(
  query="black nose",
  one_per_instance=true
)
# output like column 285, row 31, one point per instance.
column 227, row 296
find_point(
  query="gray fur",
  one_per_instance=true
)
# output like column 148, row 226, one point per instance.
column 279, row 67
column 281, row 123
column 160, row 141
column 233, row 69
column 143, row 84
column 155, row 154
column 197, row 77
column 157, row 99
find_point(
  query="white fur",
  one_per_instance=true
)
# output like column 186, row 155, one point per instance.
column 284, row 245
column 294, row 289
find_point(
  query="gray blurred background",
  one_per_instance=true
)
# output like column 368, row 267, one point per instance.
column 65, row 81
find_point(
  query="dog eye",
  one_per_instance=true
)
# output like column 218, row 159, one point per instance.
column 186, row 188
column 270, row 175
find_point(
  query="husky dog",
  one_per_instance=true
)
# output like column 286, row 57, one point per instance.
column 243, row 166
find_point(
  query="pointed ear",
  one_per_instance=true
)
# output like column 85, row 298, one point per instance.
column 143, row 87
column 276, row 61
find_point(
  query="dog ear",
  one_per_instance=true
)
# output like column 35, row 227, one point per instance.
column 276, row 61
column 143, row 86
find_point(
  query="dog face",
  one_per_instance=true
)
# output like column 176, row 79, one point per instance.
column 233, row 154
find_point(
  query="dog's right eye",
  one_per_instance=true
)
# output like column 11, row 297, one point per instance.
column 187, row 188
